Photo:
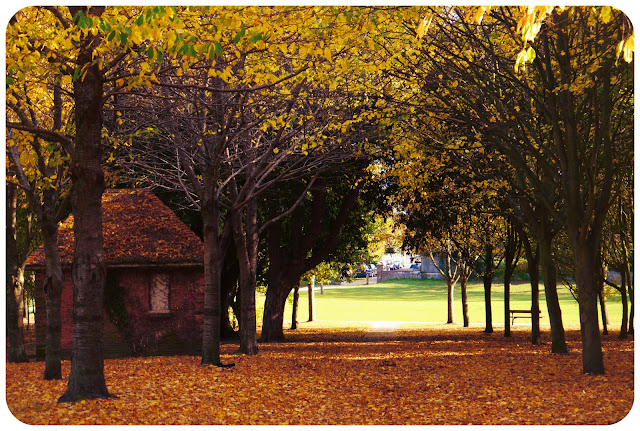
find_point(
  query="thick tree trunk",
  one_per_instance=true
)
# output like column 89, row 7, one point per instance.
column 274, row 303
column 246, row 241
column 53, row 286
column 248, row 337
column 584, row 259
column 15, row 282
column 213, row 258
column 88, row 273
column 558, row 340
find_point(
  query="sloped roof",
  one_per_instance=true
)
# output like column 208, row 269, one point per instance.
column 138, row 230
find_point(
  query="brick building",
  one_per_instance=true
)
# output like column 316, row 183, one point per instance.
column 154, row 292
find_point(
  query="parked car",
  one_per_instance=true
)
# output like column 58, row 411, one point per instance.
column 365, row 271
column 360, row 273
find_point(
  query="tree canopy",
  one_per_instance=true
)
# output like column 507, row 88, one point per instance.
column 464, row 120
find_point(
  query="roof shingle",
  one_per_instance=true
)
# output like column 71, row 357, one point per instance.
column 138, row 229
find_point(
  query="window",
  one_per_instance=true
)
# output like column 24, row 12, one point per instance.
column 159, row 293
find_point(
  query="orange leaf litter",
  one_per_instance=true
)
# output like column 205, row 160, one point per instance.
column 441, row 374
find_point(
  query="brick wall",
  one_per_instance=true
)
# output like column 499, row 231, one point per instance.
column 177, row 330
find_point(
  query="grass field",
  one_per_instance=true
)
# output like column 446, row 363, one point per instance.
column 426, row 301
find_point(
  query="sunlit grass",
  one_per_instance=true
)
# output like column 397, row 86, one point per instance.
column 425, row 301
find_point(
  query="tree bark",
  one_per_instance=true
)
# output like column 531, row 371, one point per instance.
column 625, row 306
column 213, row 258
column 450, row 289
column 294, row 312
column 487, row 279
column 88, row 272
column 246, row 240
column 464, row 277
column 53, row 286
column 15, row 282
column 592, row 360
column 274, row 303
column 287, row 262
column 229, row 288
column 558, row 340
column 631, row 312
column 534, row 280
column 603, row 312
column 511, row 255
column 507, row 306
column 312, row 300
column 450, row 278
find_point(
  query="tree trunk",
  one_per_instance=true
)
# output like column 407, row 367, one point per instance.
column 449, row 278
column 534, row 280
column 88, row 272
column 294, row 312
column 15, row 282
column 585, row 259
column 487, row 279
column 450, row 289
column 246, row 241
column 507, row 306
column 625, row 306
column 463, row 294
column 53, row 286
column 274, row 303
column 603, row 312
column 291, row 257
column 228, row 290
column 511, row 255
column 558, row 340
column 213, row 258
column 312, row 299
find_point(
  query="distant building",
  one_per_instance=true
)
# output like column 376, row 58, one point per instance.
column 154, row 293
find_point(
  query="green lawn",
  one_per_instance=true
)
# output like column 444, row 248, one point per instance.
column 425, row 301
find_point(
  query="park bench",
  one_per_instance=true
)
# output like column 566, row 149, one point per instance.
column 521, row 313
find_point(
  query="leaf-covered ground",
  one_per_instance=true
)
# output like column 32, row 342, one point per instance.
column 359, row 375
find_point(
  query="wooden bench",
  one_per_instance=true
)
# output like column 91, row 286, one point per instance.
column 525, row 313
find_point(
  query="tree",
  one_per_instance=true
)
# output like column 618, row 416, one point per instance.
column 512, row 248
column 226, row 123
column 86, row 48
column 16, row 257
column 299, row 243
column 469, row 62
column 533, row 118
column 43, row 193
column 534, row 278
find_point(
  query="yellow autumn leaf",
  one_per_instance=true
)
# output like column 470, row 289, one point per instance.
column 423, row 27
